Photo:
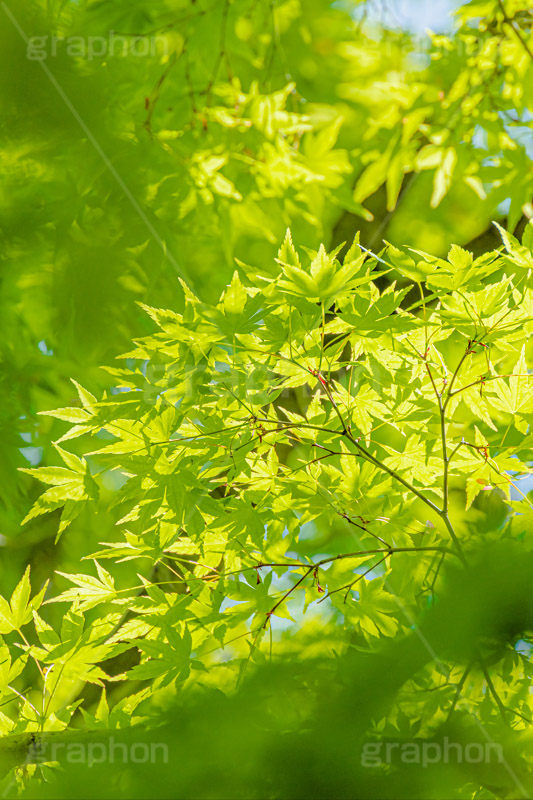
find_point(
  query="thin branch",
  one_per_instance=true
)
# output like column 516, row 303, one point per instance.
column 445, row 459
column 221, row 52
column 156, row 92
column 503, row 709
column 516, row 30
column 368, row 455
column 459, row 690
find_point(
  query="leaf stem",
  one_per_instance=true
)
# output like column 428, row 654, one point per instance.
column 516, row 30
